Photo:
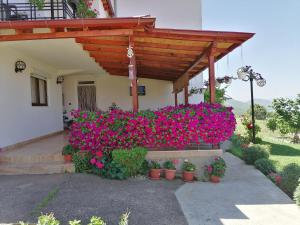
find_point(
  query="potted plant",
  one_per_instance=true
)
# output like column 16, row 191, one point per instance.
column 188, row 169
column 216, row 170
column 155, row 170
column 68, row 152
column 170, row 170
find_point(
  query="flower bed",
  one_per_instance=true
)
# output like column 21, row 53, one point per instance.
column 171, row 126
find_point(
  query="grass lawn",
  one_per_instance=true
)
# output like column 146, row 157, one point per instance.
column 283, row 151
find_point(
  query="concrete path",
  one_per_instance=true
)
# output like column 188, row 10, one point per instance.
column 245, row 197
column 81, row 196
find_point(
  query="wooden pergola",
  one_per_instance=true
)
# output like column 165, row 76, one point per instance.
column 163, row 54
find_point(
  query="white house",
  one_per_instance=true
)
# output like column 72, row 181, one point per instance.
column 86, row 54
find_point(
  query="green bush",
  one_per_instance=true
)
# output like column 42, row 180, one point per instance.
column 255, row 152
column 113, row 170
column 297, row 194
column 144, row 168
column 266, row 166
column 132, row 159
column 82, row 162
column 290, row 176
column 69, row 150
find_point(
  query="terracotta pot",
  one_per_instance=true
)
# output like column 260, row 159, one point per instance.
column 170, row 174
column 155, row 174
column 214, row 179
column 188, row 176
column 68, row 158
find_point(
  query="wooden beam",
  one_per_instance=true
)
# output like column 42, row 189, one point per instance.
column 133, row 77
column 186, row 94
column 183, row 80
column 176, row 99
column 212, row 78
column 58, row 35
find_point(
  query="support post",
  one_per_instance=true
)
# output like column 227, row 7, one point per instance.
column 176, row 98
column 186, row 94
column 211, row 71
column 133, row 76
column 252, row 110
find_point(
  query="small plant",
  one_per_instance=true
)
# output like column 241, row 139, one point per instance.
column 132, row 159
column 144, row 168
column 169, row 165
column 154, row 165
column 82, row 162
column 75, row 222
column 95, row 220
column 216, row 168
column 113, row 170
column 266, row 166
column 188, row 167
column 47, row 219
column 297, row 194
column 290, row 176
column 255, row 152
column 124, row 218
column 84, row 9
column 275, row 178
column 69, row 150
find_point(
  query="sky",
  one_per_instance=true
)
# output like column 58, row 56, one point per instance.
column 274, row 51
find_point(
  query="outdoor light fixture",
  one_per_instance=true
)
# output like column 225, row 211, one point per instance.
column 60, row 80
column 247, row 74
column 20, row 66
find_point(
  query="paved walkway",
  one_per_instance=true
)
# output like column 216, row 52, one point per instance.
column 245, row 197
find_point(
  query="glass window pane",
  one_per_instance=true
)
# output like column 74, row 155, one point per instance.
column 33, row 90
column 42, row 89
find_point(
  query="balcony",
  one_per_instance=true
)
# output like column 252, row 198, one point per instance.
column 24, row 10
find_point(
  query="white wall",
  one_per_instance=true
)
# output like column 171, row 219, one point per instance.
column 178, row 14
column 19, row 121
column 115, row 89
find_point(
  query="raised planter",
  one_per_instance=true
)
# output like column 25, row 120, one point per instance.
column 198, row 157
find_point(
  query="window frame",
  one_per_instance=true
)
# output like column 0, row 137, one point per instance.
column 37, row 91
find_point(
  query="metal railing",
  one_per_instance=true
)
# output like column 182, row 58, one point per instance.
column 52, row 10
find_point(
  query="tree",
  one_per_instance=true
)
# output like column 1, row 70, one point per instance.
column 260, row 112
column 288, row 115
column 272, row 124
column 220, row 95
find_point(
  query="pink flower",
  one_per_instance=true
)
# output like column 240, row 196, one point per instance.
column 209, row 169
column 99, row 165
column 93, row 161
column 99, row 154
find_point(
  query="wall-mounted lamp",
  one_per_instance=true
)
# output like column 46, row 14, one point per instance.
column 60, row 80
column 20, row 66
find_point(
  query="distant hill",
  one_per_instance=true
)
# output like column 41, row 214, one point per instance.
column 241, row 107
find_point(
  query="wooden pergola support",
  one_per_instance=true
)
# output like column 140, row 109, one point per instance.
column 186, row 94
column 212, row 77
column 133, row 77
column 176, row 99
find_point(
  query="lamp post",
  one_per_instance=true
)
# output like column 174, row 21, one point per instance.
column 247, row 74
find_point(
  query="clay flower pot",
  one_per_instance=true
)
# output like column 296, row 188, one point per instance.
column 170, row 174
column 68, row 158
column 214, row 179
column 155, row 174
column 188, row 176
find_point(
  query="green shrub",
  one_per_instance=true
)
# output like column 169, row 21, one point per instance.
column 290, row 176
column 169, row 165
column 132, row 159
column 144, row 168
column 297, row 194
column 266, row 166
column 82, row 162
column 113, row 170
column 47, row 219
column 255, row 152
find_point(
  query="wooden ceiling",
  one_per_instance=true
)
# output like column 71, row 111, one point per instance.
column 163, row 54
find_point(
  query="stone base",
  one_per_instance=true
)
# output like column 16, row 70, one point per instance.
column 198, row 157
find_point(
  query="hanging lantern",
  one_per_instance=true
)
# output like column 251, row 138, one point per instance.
column 20, row 66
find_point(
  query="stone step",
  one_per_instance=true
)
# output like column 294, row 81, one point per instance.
column 31, row 158
column 36, row 168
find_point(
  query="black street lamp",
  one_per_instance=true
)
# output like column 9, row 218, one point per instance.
column 247, row 74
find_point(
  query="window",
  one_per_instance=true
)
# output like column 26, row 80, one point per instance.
column 141, row 90
column 38, row 92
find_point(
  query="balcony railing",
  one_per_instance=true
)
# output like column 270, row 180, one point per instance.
column 52, row 10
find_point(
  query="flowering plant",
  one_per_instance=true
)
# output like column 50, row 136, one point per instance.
column 275, row 178
column 216, row 168
column 167, row 127
column 188, row 166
